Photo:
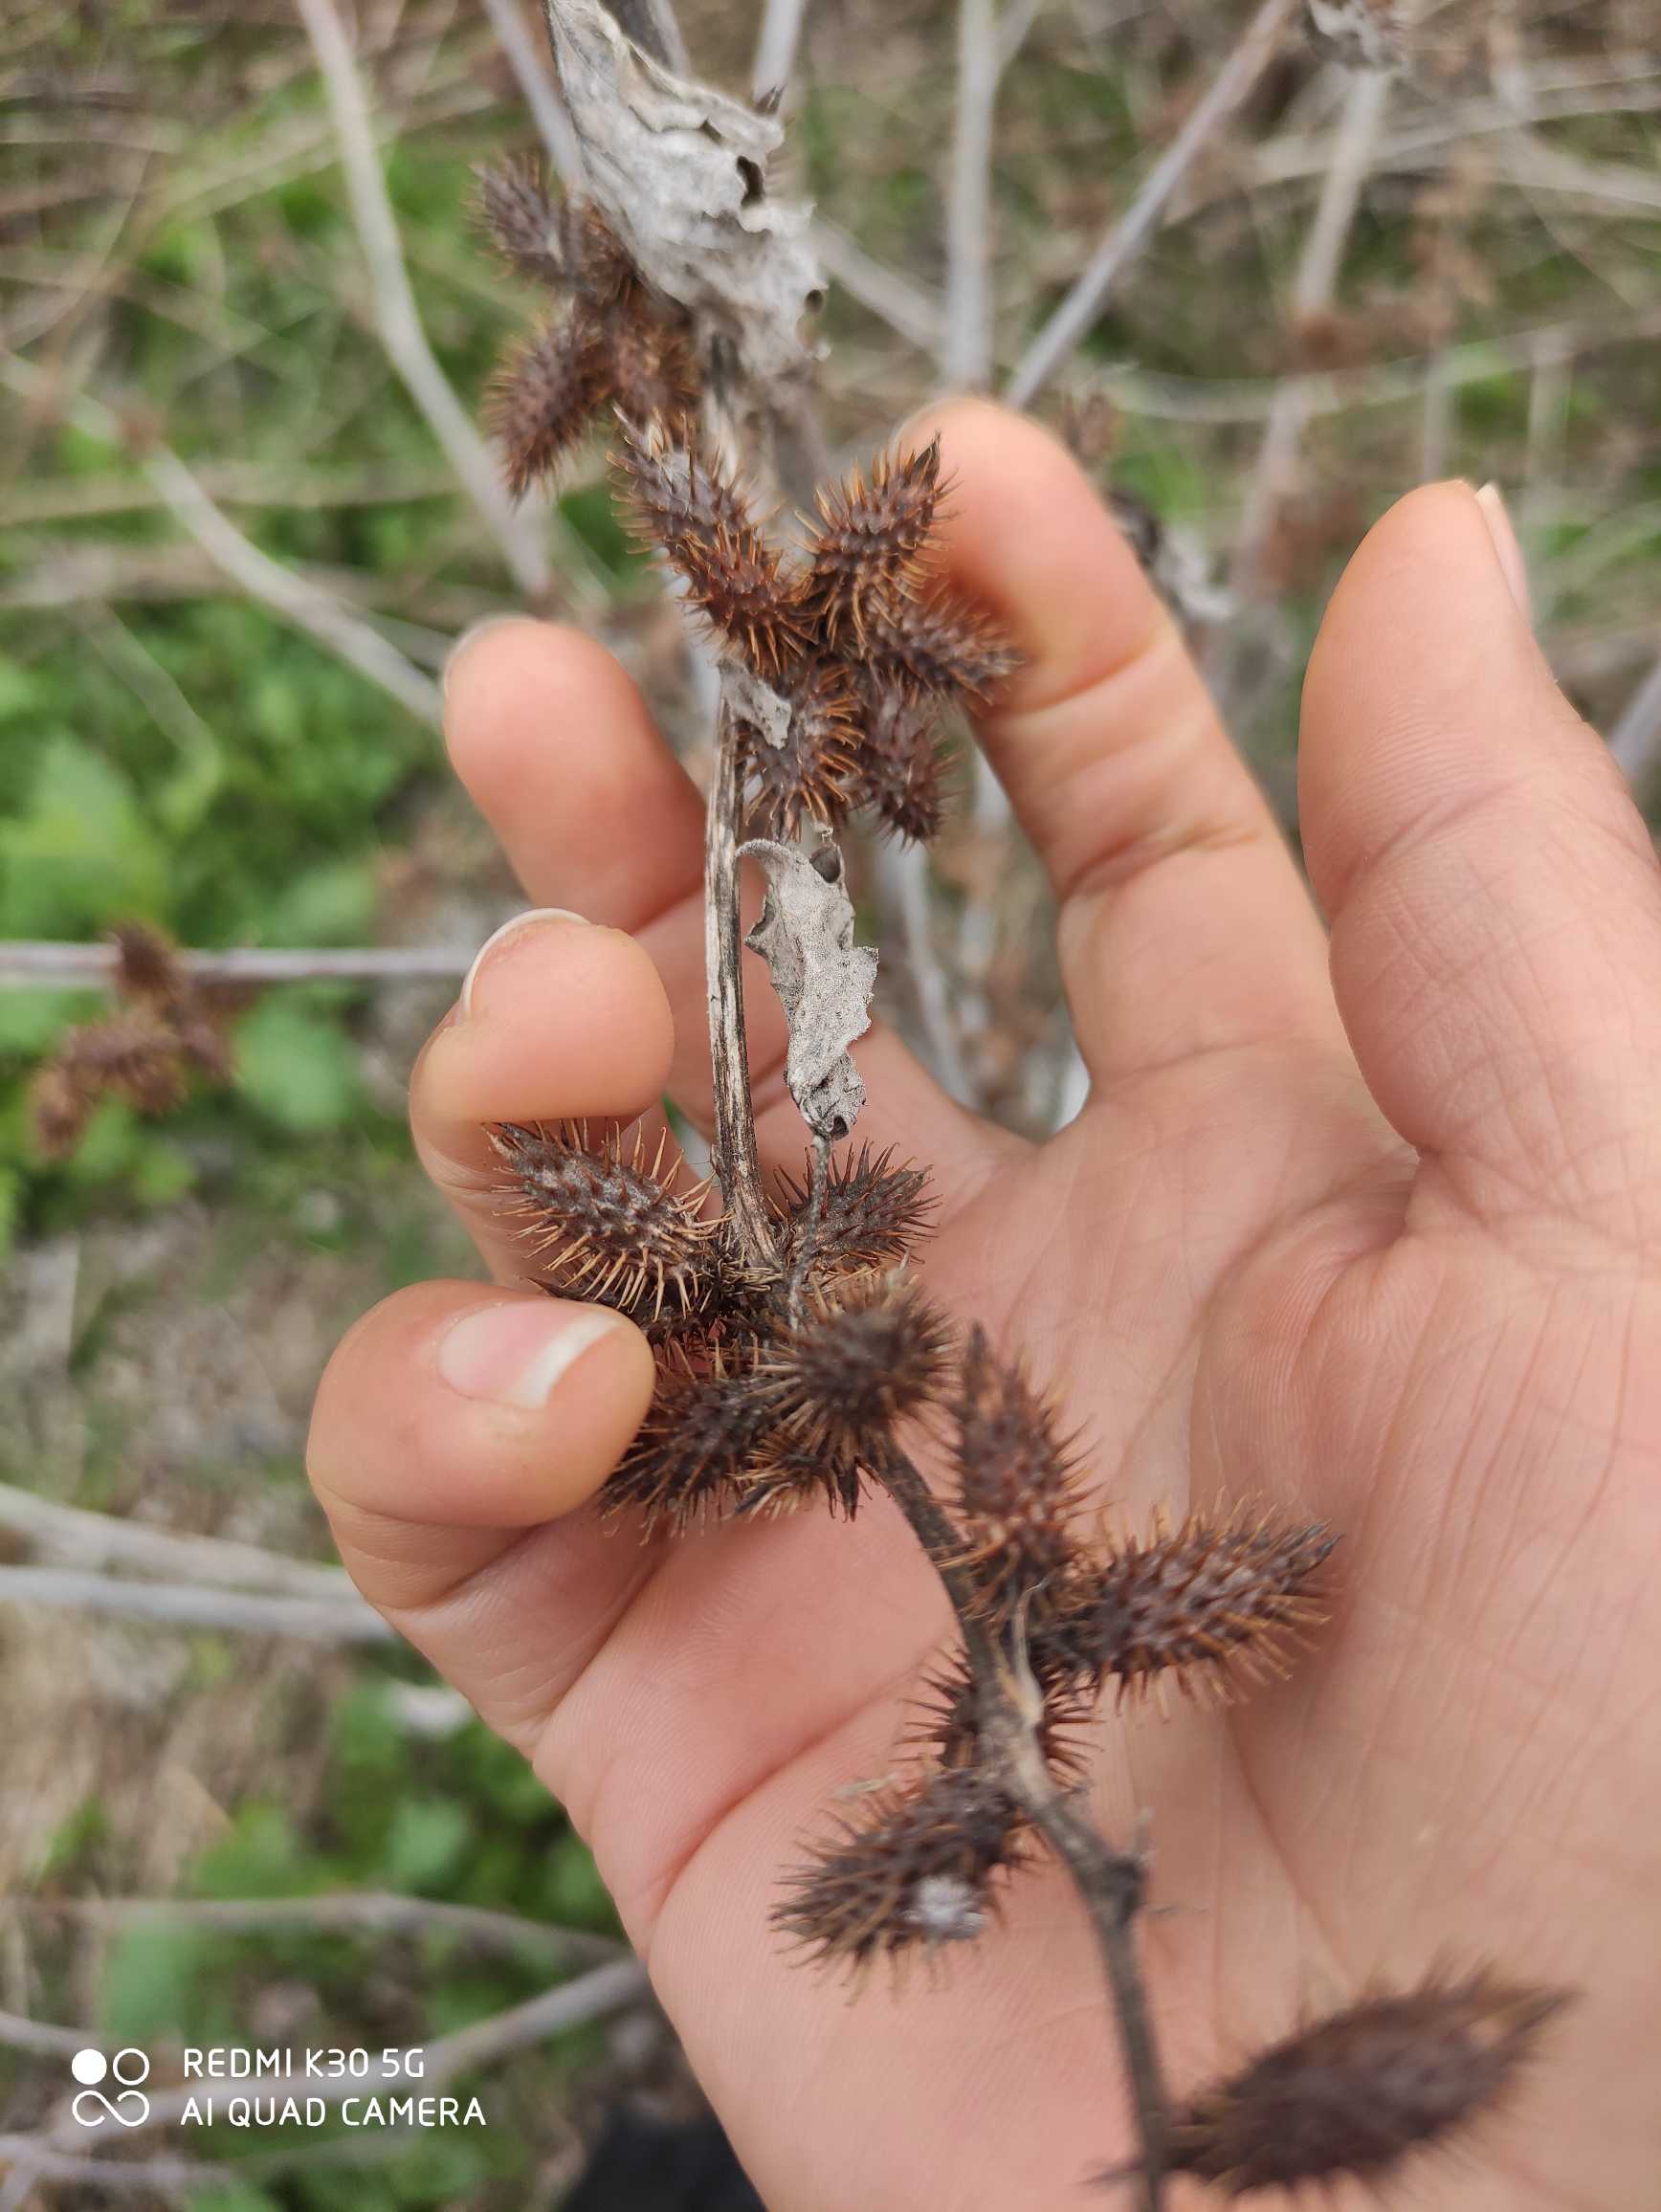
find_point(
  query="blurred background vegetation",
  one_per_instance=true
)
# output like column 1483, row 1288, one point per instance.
column 183, row 302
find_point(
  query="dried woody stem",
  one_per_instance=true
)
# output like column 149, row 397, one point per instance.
column 792, row 1346
column 1111, row 1884
column 733, row 1153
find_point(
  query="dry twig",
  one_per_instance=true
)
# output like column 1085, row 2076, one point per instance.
column 68, row 1535
column 517, row 534
column 1355, row 136
column 55, row 967
column 1635, row 740
column 1130, row 234
column 966, row 357
column 356, row 1911
column 542, row 93
column 343, row 1620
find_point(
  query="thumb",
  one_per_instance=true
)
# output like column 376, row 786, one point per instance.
column 453, row 1429
column 1492, row 893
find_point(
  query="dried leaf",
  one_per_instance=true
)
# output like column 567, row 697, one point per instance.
column 824, row 979
column 1358, row 33
column 681, row 171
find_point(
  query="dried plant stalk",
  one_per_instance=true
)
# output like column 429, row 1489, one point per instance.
column 800, row 1362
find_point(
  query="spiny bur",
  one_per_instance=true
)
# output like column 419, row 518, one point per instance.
column 917, row 1870
column 871, row 1213
column 604, row 1224
column 1017, row 1499
column 693, row 1455
column 870, row 541
column 865, row 1352
column 1357, row 2093
column 688, row 504
column 165, row 1030
column 619, row 342
column 1194, row 1604
column 848, row 650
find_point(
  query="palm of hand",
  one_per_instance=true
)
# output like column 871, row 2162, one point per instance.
column 1243, row 1284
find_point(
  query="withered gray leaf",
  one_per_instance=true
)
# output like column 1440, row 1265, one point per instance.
column 1368, row 34
column 680, row 172
column 824, row 979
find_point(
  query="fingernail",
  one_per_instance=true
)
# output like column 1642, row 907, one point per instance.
column 514, row 1355
column 466, row 642
column 1497, row 516
column 500, row 937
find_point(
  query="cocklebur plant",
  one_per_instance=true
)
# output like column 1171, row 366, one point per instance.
column 165, row 1031
column 801, row 1363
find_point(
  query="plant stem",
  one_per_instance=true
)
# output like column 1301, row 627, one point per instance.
column 1109, row 1883
column 807, row 1240
column 734, row 1151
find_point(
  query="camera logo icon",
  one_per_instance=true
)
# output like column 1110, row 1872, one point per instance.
column 128, row 2107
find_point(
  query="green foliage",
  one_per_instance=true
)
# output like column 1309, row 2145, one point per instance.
column 294, row 1064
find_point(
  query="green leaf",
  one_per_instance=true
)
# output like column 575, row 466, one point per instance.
column 426, row 1842
column 32, row 1021
column 151, row 1984
column 331, row 904
column 82, row 854
column 294, row 1064
column 22, row 691
column 262, row 1856
column 162, row 1172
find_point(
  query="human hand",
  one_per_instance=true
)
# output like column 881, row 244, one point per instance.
column 1367, row 1228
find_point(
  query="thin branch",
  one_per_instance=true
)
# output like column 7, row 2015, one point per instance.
column 541, row 94
column 1635, row 740
column 18, row 2033
column 1436, row 412
column 1355, row 136
column 367, row 1911
column 30, row 2163
column 353, row 641
column 67, row 1536
column 966, row 357
column 308, row 1619
column 517, row 532
column 1224, row 400
column 902, row 884
column 776, row 46
column 913, row 310
column 1015, row 20
column 605, row 1989
column 55, row 967
column 992, row 820
column 733, row 1150
column 232, row 483
column 1129, row 235
column 105, row 572
column 1424, row 143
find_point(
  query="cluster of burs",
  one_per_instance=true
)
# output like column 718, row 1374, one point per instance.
column 805, row 1367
